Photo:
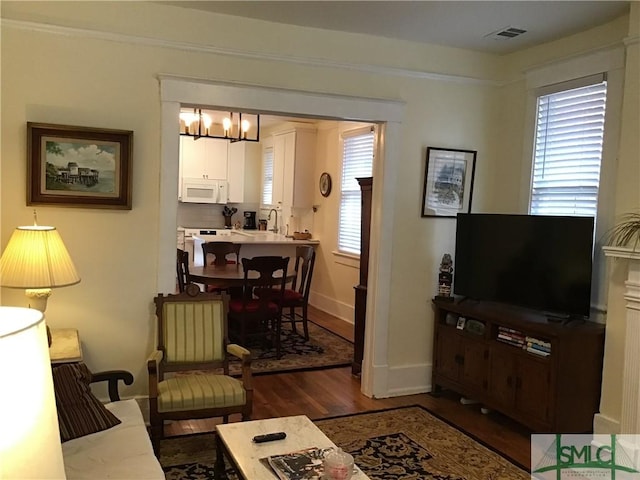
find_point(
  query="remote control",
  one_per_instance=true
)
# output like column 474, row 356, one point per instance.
column 269, row 437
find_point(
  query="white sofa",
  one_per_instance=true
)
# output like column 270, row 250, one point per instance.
column 121, row 452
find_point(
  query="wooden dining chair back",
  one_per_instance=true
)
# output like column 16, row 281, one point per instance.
column 260, row 317
column 220, row 252
column 297, row 297
column 182, row 269
column 192, row 336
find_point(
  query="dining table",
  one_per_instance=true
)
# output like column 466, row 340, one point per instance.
column 229, row 275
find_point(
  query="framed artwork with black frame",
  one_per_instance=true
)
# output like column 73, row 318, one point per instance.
column 448, row 182
column 78, row 166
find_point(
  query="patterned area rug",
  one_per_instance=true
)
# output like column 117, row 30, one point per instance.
column 323, row 350
column 399, row 444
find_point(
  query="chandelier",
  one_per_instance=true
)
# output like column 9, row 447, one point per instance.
column 232, row 126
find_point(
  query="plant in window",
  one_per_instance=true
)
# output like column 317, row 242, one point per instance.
column 626, row 233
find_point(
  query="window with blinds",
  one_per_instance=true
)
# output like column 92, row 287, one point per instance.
column 357, row 161
column 267, row 176
column 568, row 150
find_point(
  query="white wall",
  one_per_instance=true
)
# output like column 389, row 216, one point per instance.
column 105, row 75
column 66, row 76
column 593, row 51
column 626, row 198
column 335, row 274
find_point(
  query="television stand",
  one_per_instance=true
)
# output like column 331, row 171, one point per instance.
column 543, row 374
column 573, row 321
column 557, row 317
column 565, row 320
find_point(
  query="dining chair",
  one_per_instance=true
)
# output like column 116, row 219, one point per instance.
column 220, row 252
column 297, row 296
column 192, row 337
column 260, row 317
column 182, row 269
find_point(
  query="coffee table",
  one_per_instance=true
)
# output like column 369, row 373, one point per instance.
column 235, row 440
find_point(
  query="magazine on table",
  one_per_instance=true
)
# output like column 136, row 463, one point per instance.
column 299, row 465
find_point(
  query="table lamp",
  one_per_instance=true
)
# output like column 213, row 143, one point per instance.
column 37, row 260
column 29, row 437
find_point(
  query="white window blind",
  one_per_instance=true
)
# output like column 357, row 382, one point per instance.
column 267, row 176
column 357, row 161
column 568, row 151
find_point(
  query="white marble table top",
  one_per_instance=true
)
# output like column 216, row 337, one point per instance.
column 301, row 433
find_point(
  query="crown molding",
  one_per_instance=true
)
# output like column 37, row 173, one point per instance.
column 613, row 48
column 631, row 40
column 212, row 50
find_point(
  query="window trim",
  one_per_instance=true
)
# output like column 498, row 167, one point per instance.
column 570, row 84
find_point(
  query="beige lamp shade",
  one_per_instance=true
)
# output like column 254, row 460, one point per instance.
column 29, row 434
column 36, row 257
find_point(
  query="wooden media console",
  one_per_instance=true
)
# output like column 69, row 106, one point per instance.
column 542, row 374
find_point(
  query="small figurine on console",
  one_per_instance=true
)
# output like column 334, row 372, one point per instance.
column 445, row 278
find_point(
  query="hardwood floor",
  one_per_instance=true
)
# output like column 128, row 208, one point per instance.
column 337, row 326
column 333, row 392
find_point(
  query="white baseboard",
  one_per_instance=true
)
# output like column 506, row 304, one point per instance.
column 605, row 425
column 408, row 380
column 341, row 310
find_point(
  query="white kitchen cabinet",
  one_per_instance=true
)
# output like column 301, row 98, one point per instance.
column 293, row 167
column 203, row 158
column 243, row 172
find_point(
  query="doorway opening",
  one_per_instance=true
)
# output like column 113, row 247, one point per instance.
column 176, row 91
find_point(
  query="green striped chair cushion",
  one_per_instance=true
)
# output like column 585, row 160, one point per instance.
column 194, row 331
column 199, row 391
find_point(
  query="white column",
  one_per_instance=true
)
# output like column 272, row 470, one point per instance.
column 630, row 421
column 630, row 415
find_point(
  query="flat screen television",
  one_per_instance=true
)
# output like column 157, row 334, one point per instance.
column 538, row 262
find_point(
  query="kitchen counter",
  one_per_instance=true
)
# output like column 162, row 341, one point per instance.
column 254, row 243
column 253, row 238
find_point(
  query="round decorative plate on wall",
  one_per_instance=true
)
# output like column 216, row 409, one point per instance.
column 325, row 184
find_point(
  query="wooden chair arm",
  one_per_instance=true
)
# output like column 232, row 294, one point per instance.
column 112, row 376
column 239, row 352
column 244, row 355
column 153, row 362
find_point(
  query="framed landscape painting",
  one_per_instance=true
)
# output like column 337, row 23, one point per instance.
column 448, row 182
column 78, row 166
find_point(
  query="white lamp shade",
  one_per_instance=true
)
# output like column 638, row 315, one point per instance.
column 36, row 257
column 29, row 435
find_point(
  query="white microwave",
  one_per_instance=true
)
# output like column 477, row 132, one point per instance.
column 203, row 190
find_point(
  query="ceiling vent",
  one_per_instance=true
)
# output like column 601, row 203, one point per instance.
column 506, row 33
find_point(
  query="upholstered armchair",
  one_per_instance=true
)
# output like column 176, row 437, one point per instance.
column 189, row 371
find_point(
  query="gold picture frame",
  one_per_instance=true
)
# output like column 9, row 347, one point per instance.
column 79, row 166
